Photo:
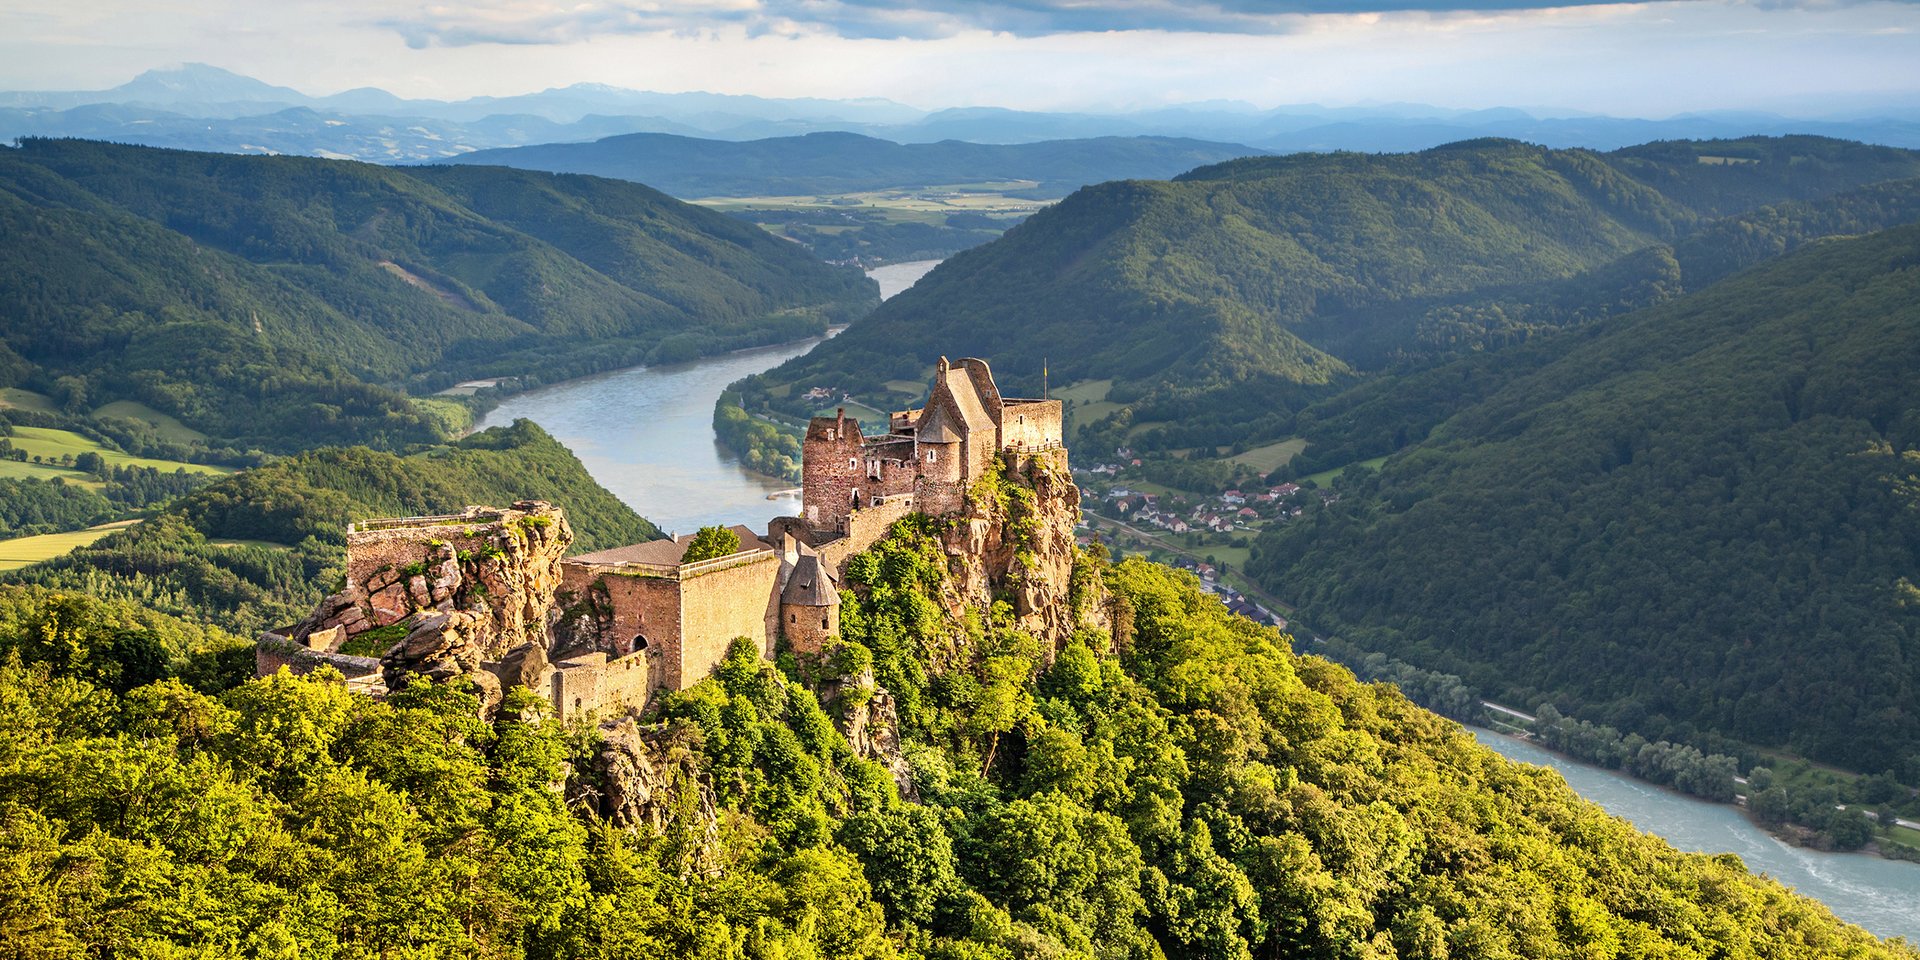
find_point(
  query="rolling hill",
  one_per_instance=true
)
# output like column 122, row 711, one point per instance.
column 1223, row 301
column 282, row 302
column 1695, row 520
column 834, row 163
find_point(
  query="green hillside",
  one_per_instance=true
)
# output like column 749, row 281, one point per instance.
column 258, row 549
column 835, row 163
column 281, row 302
column 1200, row 793
column 1696, row 520
column 1222, row 302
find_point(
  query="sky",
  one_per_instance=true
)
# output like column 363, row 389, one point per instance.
column 1654, row 59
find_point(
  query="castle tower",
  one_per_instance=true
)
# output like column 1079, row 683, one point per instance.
column 809, row 605
column 831, row 471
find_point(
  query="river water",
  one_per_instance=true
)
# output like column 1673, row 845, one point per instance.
column 647, row 435
column 1878, row 894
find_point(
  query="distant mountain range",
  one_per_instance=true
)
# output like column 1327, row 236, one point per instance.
column 835, row 163
column 200, row 107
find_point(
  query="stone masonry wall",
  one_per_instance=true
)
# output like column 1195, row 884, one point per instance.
column 1030, row 424
column 627, row 605
column 716, row 607
column 593, row 684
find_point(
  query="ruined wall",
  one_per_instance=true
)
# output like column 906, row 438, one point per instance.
column 622, row 608
column 591, row 683
column 499, row 566
column 1030, row 424
column 715, row 607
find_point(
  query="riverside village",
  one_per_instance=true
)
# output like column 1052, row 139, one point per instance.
column 492, row 594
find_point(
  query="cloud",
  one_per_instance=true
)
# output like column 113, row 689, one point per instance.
column 546, row 22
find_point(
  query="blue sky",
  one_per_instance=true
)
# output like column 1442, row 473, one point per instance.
column 1804, row 57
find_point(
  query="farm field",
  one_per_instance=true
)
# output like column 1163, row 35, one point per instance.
column 48, row 443
column 25, row 400
column 920, row 204
column 1272, row 456
column 166, row 425
column 22, row 551
column 1325, row 477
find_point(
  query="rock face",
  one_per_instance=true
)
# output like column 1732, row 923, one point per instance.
column 1021, row 543
column 864, row 712
column 651, row 776
column 470, row 588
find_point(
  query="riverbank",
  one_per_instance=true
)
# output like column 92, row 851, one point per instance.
column 1879, row 894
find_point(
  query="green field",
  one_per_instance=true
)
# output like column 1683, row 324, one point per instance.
column 871, row 421
column 169, row 428
column 26, row 400
column 51, row 444
column 919, row 204
column 1325, row 477
column 15, row 470
column 22, row 551
column 1271, row 457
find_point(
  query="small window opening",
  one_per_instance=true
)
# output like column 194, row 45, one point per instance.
column 823, row 623
column 793, row 618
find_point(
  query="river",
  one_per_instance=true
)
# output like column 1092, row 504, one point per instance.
column 647, row 435
column 1878, row 894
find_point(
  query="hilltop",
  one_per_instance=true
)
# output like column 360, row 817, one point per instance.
column 1693, row 521
column 837, row 163
column 1221, row 303
column 281, row 303
column 257, row 549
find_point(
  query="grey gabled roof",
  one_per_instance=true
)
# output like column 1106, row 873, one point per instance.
column 810, row 585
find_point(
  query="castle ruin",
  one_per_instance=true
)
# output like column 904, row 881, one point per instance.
column 492, row 595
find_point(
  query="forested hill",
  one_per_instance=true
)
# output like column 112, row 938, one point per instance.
column 1238, row 291
column 1183, row 787
column 833, row 163
column 1698, row 519
column 259, row 549
column 283, row 302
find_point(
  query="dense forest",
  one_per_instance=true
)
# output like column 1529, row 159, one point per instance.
column 1222, row 303
column 1182, row 787
column 260, row 548
column 1699, row 519
column 281, row 303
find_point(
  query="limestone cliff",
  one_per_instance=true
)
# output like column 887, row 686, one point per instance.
column 650, row 776
column 1015, row 539
column 864, row 713
column 439, row 595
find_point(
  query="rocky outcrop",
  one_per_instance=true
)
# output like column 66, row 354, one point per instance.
column 864, row 712
column 468, row 588
column 1019, row 542
column 650, row 777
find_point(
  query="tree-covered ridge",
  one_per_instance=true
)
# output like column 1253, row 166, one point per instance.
column 1695, row 520
column 260, row 548
column 831, row 163
column 1224, row 301
column 1385, row 414
column 1200, row 793
column 284, row 302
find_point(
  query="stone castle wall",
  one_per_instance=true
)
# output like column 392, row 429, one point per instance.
column 1030, row 424
column 686, row 619
column 592, row 683
column 715, row 608
column 807, row 629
